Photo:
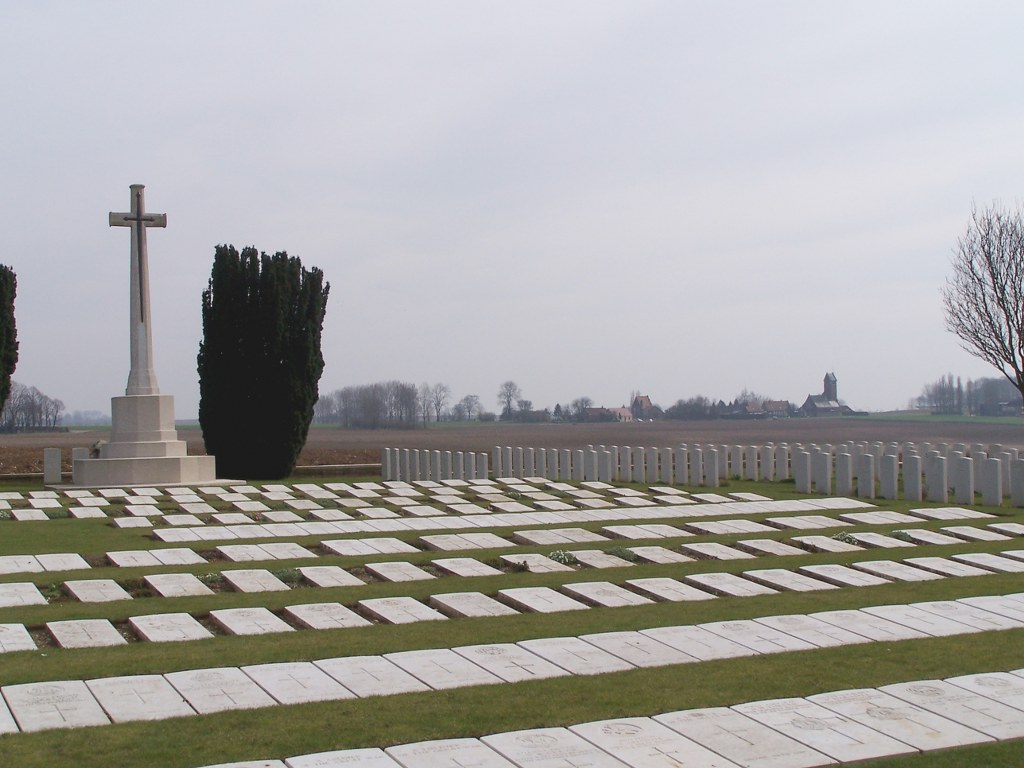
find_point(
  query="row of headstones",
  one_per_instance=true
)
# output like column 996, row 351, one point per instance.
column 847, row 469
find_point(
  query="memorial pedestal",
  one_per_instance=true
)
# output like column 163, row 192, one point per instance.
column 144, row 448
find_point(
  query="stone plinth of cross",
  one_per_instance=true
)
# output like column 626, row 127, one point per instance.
column 141, row 377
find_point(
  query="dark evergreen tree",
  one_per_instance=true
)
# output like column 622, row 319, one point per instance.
column 259, row 360
column 8, row 331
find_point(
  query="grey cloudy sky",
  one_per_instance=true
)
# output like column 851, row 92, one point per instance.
column 587, row 197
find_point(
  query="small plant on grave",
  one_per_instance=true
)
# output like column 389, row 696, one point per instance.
column 564, row 556
column 902, row 536
column 54, row 592
column 623, row 553
column 5, row 514
column 519, row 566
column 289, row 575
column 212, row 579
column 844, row 537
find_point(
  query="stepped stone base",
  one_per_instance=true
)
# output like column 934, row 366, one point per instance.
column 144, row 448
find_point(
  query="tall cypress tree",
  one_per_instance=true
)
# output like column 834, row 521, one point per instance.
column 8, row 331
column 259, row 360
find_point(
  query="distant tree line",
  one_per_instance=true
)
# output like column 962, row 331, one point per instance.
column 28, row 409
column 978, row 397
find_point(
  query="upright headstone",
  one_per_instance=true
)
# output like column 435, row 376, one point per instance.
column 866, row 476
column 912, row 478
column 963, row 480
column 51, row 466
column 992, row 482
column 802, row 471
column 888, row 475
column 844, row 474
column 935, row 478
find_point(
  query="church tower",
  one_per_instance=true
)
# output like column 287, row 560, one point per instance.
column 831, row 390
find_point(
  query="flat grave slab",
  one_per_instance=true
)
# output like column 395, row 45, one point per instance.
column 178, row 556
column 441, row 668
column 550, row 748
column 639, row 649
column 822, row 730
column 874, row 540
column 540, row 600
column 948, row 513
column 55, row 704
column 1005, row 687
column 18, row 593
column 242, row 553
column 946, row 567
column 708, row 550
column 34, row 515
column 894, row 570
column 899, row 719
column 575, row 656
column 297, row 682
column 378, row 546
column 711, row 498
column 510, row 662
column 400, row 610
column 470, row 604
column 96, row 590
column 842, row 576
column 970, row 533
column 397, row 571
column 971, row 615
column 254, row 580
column 925, row 536
column 330, row 576
column 787, row 581
column 640, row 741
column 635, row 532
column 133, row 558
column 595, row 558
column 325, row 616
column 19, row 564
column 741, row 739
column 465, row 566
column 176, row 585
column 85, row 633
column 370, row 676
column 138, row 697
column 249, row 621
column 768, row 547
column 869, row 625
column 181, row 520
column 920, row 619
column 218, row 689
column 990, row 562
column 806, row 522
column 877, row 517
column 825, row 544
column 535, row 563
column 15, row 637
column 233, row 518
column 1010, row 529
column 1002, row 605
column 604, row 594
column 813, row 630
column 459, row 541
column 664, row 588
column 447, row 753
column 966, row 707
column 86, row 513
column 727, row 584
column 660, row 555
column 758, row 637
column 163, row 535
column 168, row 627
column 720, row 527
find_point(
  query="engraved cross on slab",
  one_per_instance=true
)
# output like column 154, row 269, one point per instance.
column 142, row 377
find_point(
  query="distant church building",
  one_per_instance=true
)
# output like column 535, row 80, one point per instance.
column 827, row 403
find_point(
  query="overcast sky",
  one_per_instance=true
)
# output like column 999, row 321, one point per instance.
column 586, row 197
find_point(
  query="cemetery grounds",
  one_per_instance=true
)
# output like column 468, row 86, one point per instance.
column 271, row 731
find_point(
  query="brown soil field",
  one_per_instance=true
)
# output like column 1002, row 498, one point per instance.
column 23, row 452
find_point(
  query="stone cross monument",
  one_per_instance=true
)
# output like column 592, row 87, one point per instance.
column 141, row 377
column 144, row 447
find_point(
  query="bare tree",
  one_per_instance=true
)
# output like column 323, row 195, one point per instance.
column 579, row 407
column 469, row 407
column 439, row 395
column 425, row 396
column 507, row 395
column 984, row 298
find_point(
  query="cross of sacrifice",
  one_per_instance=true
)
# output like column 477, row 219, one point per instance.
column 141, row 378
